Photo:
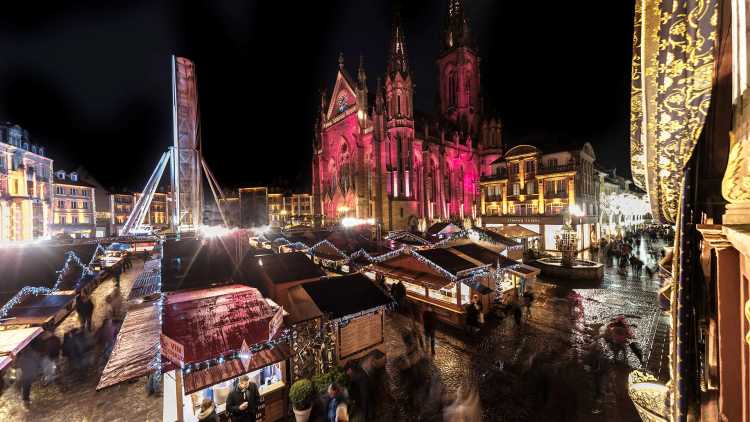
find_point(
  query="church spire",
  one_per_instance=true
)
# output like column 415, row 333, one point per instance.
column 456, row 30
column 398, row 60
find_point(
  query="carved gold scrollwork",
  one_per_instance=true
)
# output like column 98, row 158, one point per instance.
column 747, row 317
column 735, row 186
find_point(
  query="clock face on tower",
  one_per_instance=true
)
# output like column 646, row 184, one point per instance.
column 342, row 104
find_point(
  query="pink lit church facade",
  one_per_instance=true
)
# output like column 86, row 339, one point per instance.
column 383, row 161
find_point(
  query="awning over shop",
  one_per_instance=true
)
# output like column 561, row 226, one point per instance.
column 136, row 347
column 517, row 232
column 13, row 341
column 232, row 368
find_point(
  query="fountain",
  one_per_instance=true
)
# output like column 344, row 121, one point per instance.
column 568, row 266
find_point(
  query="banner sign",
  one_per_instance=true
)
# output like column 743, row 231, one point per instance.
column 275, row 323
column 172, row 350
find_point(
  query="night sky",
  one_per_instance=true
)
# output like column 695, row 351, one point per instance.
column 91, row 79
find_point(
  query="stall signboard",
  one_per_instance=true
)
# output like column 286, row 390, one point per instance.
column 246, row 355
column 275, row 323
column 172, row 350
column 360, row 333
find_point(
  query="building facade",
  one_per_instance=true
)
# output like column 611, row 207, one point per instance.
column 388, row 162
column 25, row 186
column 277, row 213
column 74, row 210
column 299, row 208
column 253, row 207
column 533, row 189
column 290, row 210
column 120, row 206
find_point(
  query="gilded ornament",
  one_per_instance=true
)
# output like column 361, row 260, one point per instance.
column 735, row 186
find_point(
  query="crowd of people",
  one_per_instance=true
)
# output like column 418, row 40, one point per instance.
column 50, row 356
column 624, row 250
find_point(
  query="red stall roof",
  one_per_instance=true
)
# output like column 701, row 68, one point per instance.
column 213, row 322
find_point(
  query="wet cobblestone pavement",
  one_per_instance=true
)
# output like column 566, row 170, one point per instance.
column 73, row 396
column 496, row 361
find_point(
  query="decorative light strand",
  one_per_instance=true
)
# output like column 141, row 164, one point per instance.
column 36, row 291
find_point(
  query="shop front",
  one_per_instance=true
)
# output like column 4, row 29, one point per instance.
column 350, row 309
column 440, row 279
column 210, row 337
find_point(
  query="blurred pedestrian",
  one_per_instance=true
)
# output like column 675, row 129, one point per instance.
column 117, row 274
column 360, row 389
column 517, row 315
column 476, row 303
column 85, row 309
column 29, row 364
column 116, row 307
column 106, row 336
column 465, row 408
column 528, row 299
column 429, row 320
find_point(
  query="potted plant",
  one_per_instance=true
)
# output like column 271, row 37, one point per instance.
column 301, row 395
column 335, row 374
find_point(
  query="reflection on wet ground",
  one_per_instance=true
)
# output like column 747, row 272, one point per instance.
column 533, row 372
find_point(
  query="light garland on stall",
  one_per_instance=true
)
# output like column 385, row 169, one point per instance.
column 326, row 242
column 99, row 249
column 36, row 291
column 380, row 258
column 433, row 265
column 285, row 338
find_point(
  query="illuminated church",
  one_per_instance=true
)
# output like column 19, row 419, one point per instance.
column 375, row 157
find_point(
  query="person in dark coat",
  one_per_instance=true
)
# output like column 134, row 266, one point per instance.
column 360, row 389
column 242, row 403
column 472, row 317
column 517, row 314
column 29, row 363
column 117, row 274
column 429, row 320
column 85, row 309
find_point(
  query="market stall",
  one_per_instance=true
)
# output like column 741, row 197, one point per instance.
column 211, row 337
column 439, row 278
column 509, row 275
column 350, row 307
column 12, row 342
column 37, row 310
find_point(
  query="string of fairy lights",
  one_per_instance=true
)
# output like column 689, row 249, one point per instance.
column 71, row 258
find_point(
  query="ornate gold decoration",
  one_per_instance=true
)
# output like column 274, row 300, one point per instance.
column 672, row 70
column 747, row 317
column 649, row 397
column 735, row 187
